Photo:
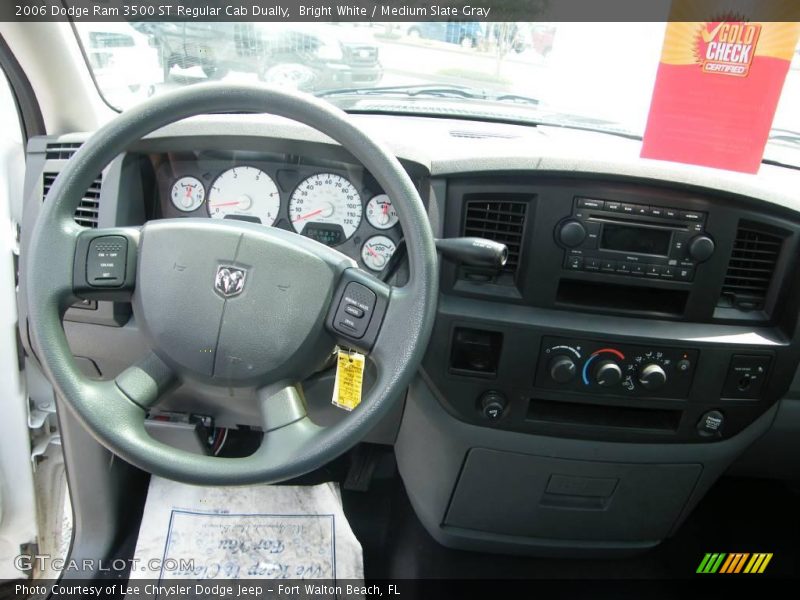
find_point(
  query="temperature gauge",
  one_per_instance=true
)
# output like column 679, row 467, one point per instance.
column 380, row 212
column 377, row 251
column 187, row 194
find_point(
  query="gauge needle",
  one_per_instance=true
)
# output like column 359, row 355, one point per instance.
column 189, row 190
column 225, row 204
column 313, row 213
column 371, row 251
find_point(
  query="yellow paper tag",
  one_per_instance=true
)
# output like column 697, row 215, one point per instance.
column 349, row 376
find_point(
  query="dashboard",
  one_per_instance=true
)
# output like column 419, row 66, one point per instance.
column 642, row 335
column 334, row 203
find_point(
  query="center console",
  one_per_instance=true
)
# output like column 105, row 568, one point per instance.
column 629, row 312
column 635, row 343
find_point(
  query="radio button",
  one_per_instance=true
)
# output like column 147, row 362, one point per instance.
column 609, row 266
column 679, row 241
column 656, row 211
column 591, row 264
column 684, row 273
column 671, row 213
column 692, row 216
column 641, row 210
column 629, row 209
column 653, row 270
column 623, row 268
column 574, row 263
column 637, row 269
column 668, row 273
column 613, row 206
column 589, row 203
column 592, row 235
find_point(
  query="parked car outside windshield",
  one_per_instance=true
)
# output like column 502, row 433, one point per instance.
column 582, row 74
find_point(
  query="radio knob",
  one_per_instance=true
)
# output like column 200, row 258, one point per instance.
column 562, row 369
column 701, row 247
column 607, row 373
column 572, row 233
column 652, row 376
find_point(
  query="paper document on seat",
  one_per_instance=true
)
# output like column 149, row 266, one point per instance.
column 249, row 532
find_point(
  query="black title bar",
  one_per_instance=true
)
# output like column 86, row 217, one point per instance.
column 403, row 10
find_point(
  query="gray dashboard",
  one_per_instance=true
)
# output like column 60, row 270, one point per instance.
column 648, row 447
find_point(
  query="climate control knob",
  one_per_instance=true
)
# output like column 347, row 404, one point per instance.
column 571, row 233
column 607, row 373
column 701, row 247
column 652, row 376
column 562, row 369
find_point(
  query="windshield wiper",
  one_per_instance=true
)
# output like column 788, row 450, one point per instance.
column 436, row 90
column 786, row 136
column 442, row 91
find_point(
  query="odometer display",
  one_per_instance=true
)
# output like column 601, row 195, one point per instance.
column 325, row 199
column 330, row 235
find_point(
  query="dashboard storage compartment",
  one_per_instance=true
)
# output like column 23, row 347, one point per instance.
column 599, row 415
column 475, row 352
column 622, row 298
column 559, row 499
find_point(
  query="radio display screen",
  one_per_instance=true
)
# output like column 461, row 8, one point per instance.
column 636, row 240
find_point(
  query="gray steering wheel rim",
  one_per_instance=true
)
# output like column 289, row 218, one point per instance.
column 117, row 422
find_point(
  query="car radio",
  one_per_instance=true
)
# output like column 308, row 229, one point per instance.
column 638, row 240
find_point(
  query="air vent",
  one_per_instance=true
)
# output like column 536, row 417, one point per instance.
column 750, row 270
column 89, row 207
column 498, row 220
column 61, row 150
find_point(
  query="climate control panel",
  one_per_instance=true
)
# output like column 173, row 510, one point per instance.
column 619, row 369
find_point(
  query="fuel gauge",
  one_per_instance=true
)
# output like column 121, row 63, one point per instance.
column 377, row 251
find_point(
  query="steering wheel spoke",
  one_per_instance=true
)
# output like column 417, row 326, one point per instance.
column 104, row 267
column 281, row 404
column 358, row 309
column 145, row 382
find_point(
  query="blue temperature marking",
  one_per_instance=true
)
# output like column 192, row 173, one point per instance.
column 586, row 369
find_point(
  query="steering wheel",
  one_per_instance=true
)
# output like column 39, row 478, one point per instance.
column 228, row 303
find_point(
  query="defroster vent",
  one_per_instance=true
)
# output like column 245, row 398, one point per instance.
column 89, row 207
column 499, row 220
column 751, row 268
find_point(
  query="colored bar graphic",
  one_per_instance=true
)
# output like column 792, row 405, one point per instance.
column 736, row 562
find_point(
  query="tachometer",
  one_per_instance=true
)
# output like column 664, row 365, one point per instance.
column 380, row 212
column 187, row 194
column 244, row 193
column 326, row 207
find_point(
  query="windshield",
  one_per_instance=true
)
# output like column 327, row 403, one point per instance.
column 579, row 73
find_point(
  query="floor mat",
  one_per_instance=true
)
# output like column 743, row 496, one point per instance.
column 249, row 532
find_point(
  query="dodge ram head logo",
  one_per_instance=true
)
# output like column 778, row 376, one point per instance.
column 229, row 281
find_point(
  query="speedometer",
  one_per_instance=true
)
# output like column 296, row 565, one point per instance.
column 244, row 193
column 326, row 207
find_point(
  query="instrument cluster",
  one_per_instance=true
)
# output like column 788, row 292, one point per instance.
column 337, row 205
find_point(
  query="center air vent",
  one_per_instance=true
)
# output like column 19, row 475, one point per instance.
column 61, row 150
column 751, row 267
column 89, row 207
column 499, row 220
